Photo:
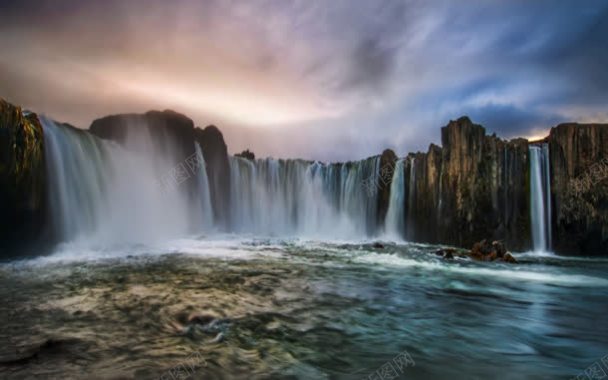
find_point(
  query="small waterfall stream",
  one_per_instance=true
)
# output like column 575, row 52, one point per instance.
column 395, row 216
column 540, row 197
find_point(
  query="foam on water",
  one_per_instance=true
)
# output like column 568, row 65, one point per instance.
column 496, row 271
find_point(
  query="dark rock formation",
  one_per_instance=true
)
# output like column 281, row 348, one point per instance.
column 387, row 169
column 579, row 172
column 218, row 170
column 168, row 131
column 474, row 186
column 22, row 178
column 175, row 134
column 246, row 154
column 486, row 251
column 446, row 253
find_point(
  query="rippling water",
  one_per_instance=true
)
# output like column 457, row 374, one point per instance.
column 256, row 309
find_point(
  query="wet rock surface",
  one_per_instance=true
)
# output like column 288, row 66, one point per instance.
column 491, row 251
column 22, row 180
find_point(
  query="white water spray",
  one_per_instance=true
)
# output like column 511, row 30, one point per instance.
column 102, row 193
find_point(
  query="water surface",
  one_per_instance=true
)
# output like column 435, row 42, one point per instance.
column 271, row 308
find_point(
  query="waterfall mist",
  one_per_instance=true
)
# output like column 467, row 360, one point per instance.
column 144, row 190
column 104, row 193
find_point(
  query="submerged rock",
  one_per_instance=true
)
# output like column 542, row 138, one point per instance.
column 378, row 245
column 446, row 253
column 17, row 356
column 201, row 319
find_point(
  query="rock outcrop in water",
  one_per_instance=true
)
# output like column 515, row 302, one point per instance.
column 472, row 187
column 22, row 178
column 494, row 251
column 579, row 172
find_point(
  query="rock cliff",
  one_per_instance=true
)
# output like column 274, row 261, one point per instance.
column 471, row 188
column 22, row 179
column 579, row 173
column 387, row 169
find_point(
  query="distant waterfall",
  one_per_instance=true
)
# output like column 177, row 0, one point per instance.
column 395, row 219
column 102, row 193
column 296, row 197
column 540, row 197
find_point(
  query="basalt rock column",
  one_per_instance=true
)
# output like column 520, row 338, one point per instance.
column 579, row 168
column 215, row 151
column 22, row 178
column 471, row 188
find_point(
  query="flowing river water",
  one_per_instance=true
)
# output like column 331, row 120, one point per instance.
column 249, row 308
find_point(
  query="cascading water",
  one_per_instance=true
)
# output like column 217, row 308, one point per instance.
column 296, row 197
column 395, row 216
column 203, row 190
column 75, row 165
column 102, row 193
column 105, row 193
column 540, row 197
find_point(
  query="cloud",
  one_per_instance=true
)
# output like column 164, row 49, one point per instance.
column 327, row 80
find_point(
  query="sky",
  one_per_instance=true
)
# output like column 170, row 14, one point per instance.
column 328, row 80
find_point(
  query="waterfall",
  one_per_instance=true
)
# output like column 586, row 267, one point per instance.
column 101, row 193
column 203, row 189
column 395, row 221
column 75, row 165
column 142, row 190
column 301, row 198
column 540, row 197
